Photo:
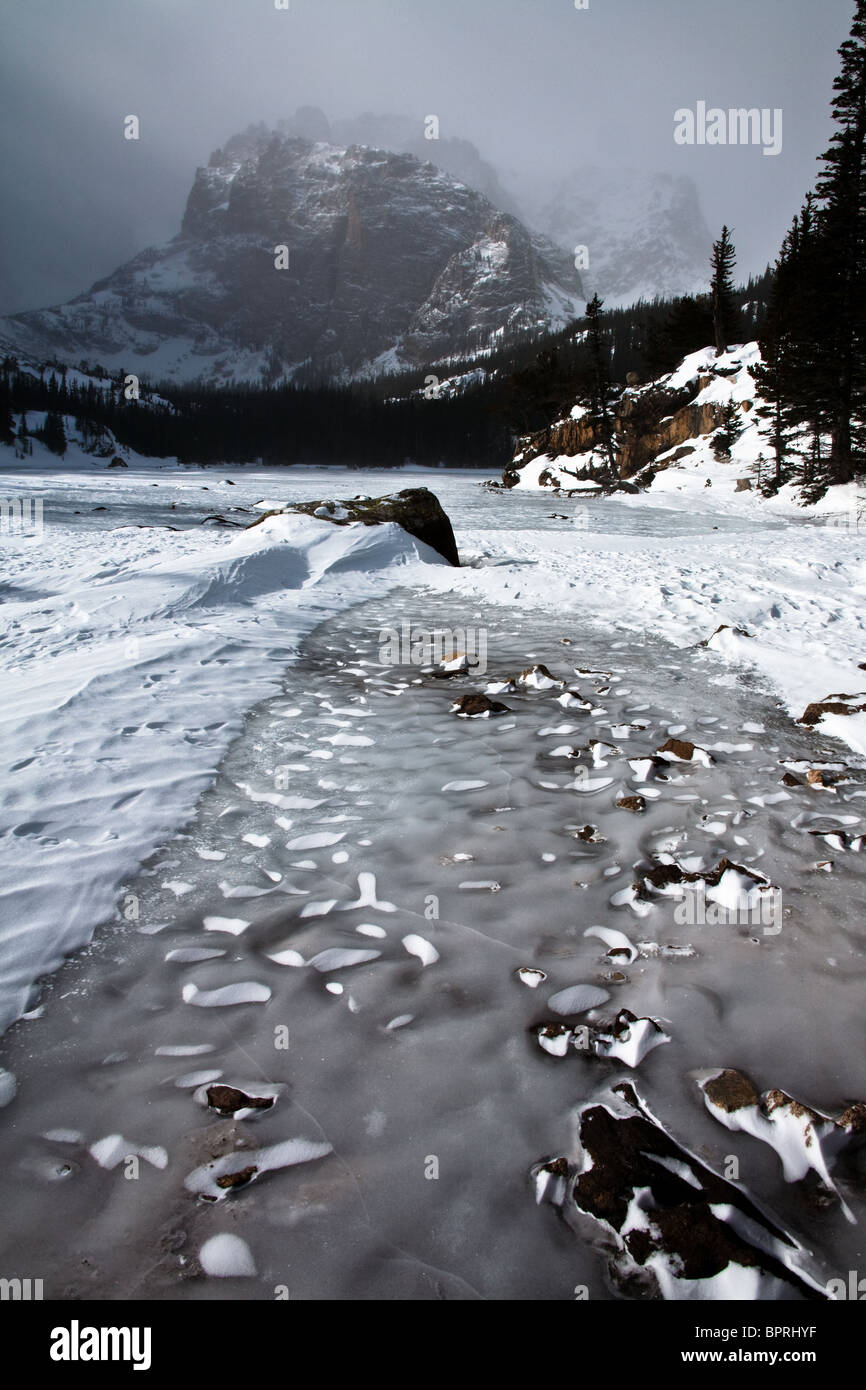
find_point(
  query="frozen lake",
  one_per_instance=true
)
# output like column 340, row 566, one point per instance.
column 335, row 930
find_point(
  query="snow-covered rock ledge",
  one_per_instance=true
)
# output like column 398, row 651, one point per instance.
column 697, row 427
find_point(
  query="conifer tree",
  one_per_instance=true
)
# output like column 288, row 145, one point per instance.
column 52, row 434
column 728, row 432
column 723, row 260
column 7, row 423
column 600, row 393
column 842, row 223
column 792, row 376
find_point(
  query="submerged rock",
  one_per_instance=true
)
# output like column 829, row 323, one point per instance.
column 228, row 1099
column 681, row 1230
column 477, row 706
column 807, row 1141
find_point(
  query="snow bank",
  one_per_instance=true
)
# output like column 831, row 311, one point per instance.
column 130, row 658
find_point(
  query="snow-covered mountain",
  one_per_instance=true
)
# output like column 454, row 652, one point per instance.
column 644, row 232
column 391, row 262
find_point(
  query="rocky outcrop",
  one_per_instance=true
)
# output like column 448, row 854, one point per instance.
column 647, row 423
column 416, row 509
column 832, row 704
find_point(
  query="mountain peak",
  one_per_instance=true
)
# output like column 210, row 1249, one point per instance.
column 387, row 261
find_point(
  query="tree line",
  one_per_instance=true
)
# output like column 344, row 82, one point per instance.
column 808, row 313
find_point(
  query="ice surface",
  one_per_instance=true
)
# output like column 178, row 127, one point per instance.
column 446, row 1055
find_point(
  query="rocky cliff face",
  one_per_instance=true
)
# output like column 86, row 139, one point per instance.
column 391, row 263
column 653, row 424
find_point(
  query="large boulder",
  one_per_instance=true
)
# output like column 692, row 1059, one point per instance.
column 416, row 509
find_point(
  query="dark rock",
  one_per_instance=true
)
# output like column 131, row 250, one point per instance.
column 473, row 705
column 631, row 803
column 660, row 875
column 724, row 627
column 539, row 677
column 118, row 462
column 239, row 1179
column 228, row 1099
column 817, row 778
column 416, row 509
column 627, row 1156
column 731, row 1090
column 557, row 1166
column 589, row 835
column 831, row 704
column 682, row 749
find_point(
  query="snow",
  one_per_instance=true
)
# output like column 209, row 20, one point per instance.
column 131, row 654
column 562, row 470
column 227, row 1257
column 108, row 747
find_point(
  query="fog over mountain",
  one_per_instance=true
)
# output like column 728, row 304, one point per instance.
column 542, row 90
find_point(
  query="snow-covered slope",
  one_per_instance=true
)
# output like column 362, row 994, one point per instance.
column 386, row 260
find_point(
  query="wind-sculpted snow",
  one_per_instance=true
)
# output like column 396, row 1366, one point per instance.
column 122, row 691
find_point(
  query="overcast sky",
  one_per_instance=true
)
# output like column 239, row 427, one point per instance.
column 534, row 83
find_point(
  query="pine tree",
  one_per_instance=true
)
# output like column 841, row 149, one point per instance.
column 52, row 434
column 25, row 443
column 728, row 432
column 723, row 260
column 600, row 392
column 686, row 328
column 842, row 224
column 788, row 379
column 7, row 423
